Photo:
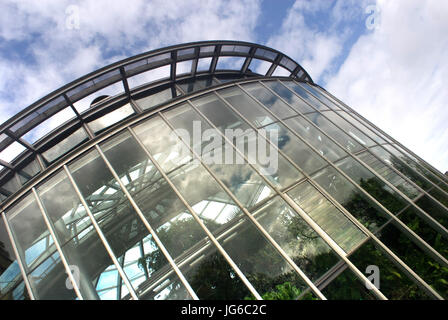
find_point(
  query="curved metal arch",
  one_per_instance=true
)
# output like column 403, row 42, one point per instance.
column 132, row 66
column 19, row 126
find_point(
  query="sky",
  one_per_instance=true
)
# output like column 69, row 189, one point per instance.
column 385, row 59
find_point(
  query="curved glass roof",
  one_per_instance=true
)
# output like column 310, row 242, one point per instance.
column 73, row 114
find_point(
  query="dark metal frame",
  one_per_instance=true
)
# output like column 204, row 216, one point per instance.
column 24, row 121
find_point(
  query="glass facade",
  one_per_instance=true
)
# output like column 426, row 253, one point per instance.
column 161, row 197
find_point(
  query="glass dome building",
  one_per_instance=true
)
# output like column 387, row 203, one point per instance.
column 213, row 170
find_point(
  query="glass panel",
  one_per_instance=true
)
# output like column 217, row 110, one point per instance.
column 373, row 185
column 307, row 96
column 288, row 63
column 230, row 63
column 117, row 219
column 238, row 181
column 426, row 204
column 11, row 152
column 271, row 276
column 109, row 91
column 389, row 175
column 367, row 125
column 191, row 85
column 311, row 254
column 172, row 221
column 236, row 174
column 362, row 208
column 349, row 143
column 317, row 92
column 282, row 172
column 75, row 139
column 269, row 100
column 49, row 280
column 394, row 283
column 11, row 185
column 281, row 72
column 440, row 196
column 251, row 110
column 425, row 231
column 395, row 162
column 414, row 164
column 361, row 126
column 169, row 288
column 434, row 209
column 231, row 48
column 244, row 243
column 343, row 231
column 434, row 172
column 80, row 242
column 183, row 67
column 63, row 207
column 29, row 171
column 265, row 54
column 296, row 149
column 204, row 64
column 298, row 104
column 48, row 125
column 19, row 293
column 111, row 118
column 416, row 258
column 11, row 281
column 150, row 76
column 156, row 99
column 349, row 128
column 33, row 118
column 148, row 63
column 347, row 287
column 185, row 52
column 227, row 77
column 259, row 66
column 313, row 136
column 30, row 231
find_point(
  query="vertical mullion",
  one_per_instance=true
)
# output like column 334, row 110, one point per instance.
column 148, row 226
column 349, row 215
column 57, row 245
column 251, row 218
column 18, row 257
column 419, row 241
column 101, row 235
column 198, row 220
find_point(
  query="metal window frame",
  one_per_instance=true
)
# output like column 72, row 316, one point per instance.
column 328, row 196
column 425, row 216
column 18, row 257
column 147, row 225
column 419, row 241
column 197, row 218
column 139, row 117
column 333, row 245
column 101, row 235
column 51, row 229
column 250, row 216
column 436, row 172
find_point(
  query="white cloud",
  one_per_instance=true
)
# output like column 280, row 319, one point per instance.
column 53, row 54
column 396, row 76
column 314, row 43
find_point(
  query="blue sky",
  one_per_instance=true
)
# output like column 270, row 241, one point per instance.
column 389, row 64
